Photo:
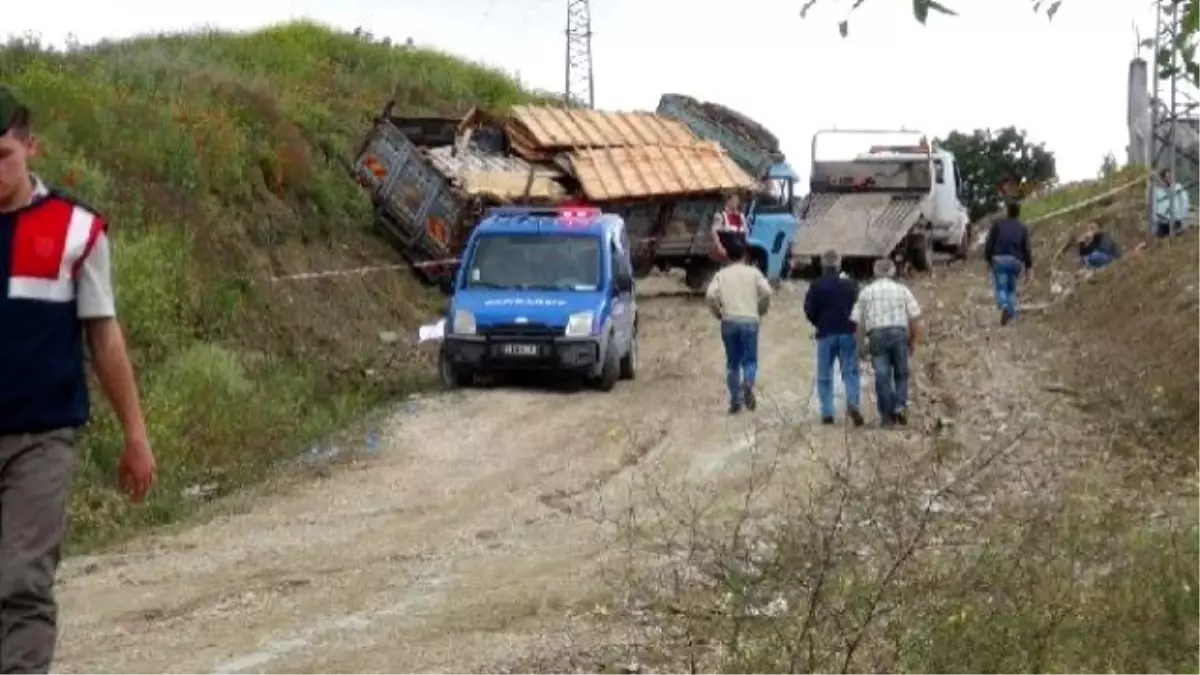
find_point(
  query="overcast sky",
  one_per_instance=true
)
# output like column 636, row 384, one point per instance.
column 994, row 65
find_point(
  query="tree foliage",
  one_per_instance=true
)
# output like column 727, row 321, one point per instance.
column 1183, row 50
column 1109, row 166
column 997, row 164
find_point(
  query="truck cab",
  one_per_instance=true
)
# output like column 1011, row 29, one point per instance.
column 543, row 289
column 949, row 220
column 773, row 222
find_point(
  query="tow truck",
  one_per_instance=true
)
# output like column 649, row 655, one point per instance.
column 899, row 201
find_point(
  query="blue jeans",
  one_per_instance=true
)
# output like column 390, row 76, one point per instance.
column 889, row 357
column 741, row 356
column 1005, row 272
column 1097, row 259
column 843, row 350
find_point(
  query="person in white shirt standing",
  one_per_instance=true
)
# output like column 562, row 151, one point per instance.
column 739, row 295
column 887, row 313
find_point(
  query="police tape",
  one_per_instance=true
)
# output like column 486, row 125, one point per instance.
column 363, row 271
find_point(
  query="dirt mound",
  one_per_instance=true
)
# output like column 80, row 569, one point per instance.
column 220, row 161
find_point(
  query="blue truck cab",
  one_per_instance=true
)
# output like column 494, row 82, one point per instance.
column 773, row 222
column 543, row 289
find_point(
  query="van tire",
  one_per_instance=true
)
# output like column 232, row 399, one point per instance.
column 450, row 376
column 628, row 369
column 610, row 372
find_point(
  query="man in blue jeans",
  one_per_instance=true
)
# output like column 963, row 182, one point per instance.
column 827, row 305
column 888, row 314
column 739, row 296
column 1007, row 253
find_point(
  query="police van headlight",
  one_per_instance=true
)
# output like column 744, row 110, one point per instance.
column 464, row 322
column 579, row 324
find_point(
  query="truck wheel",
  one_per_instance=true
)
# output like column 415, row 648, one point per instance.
column 964, row 245
column 698, row 276
column 642, row 268
column 449, row 375
column 920, row 252
column 628, row 368
column 611, row 371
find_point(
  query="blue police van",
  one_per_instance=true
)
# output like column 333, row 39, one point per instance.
column 543, row 289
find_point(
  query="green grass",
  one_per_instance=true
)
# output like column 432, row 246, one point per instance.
column 1073, row 193
column 219, row 159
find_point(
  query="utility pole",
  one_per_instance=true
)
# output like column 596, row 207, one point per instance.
column 1173, row 108
column 579, row 90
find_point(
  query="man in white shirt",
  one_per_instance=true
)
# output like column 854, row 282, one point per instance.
column 739, row 296
column 887, row 313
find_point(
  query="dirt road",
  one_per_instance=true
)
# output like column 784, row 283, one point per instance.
column 440, row 552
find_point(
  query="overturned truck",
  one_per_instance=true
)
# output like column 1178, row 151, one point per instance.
column 432, row 178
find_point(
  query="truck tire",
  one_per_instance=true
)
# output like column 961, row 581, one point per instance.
column 964, row 245
column 920, row 252
column 610, row 372
column 629, row 362
column 642, row 268
column 698, row 276
column 450, row 376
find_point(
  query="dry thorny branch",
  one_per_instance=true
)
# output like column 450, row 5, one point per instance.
column 813, row 573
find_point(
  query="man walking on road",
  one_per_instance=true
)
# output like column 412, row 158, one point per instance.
column 55, row 291
column 739, row 295
column 827, row 305
column 1007, row 253
column 888, row 315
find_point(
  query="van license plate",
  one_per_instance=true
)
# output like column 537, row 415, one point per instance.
column 520, row 350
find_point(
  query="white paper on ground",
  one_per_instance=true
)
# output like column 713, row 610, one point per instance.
column 432, row 331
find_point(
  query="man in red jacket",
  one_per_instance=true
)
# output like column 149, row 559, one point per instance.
column 55, row 291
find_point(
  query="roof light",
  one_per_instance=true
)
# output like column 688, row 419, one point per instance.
column 562, row 212
column 577, row 212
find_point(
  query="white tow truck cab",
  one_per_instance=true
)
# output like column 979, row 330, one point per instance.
column 943, row 217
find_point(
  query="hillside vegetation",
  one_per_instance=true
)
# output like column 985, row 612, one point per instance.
column 1133, row 324
column 1039, row 515
column 219, row 160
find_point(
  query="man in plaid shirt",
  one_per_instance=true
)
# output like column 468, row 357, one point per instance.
column 887, row 313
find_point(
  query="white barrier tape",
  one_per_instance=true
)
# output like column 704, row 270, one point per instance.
column 303, row 276
column 360, row 271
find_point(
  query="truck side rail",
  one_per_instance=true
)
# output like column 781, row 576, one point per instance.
column 414, row 204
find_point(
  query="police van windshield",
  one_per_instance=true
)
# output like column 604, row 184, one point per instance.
column 544, row 262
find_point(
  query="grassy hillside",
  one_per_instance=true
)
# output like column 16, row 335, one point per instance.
column 219, row 160
column 1134, row 322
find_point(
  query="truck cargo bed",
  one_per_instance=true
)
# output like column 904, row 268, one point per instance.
column 866, row 225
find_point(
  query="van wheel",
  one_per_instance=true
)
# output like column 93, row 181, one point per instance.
column 629, row 361
column 449, row 375
column 610, row 373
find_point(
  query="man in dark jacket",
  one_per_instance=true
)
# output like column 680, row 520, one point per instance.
column 1007, row 253
column 827, row 305
column 1096, row 248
